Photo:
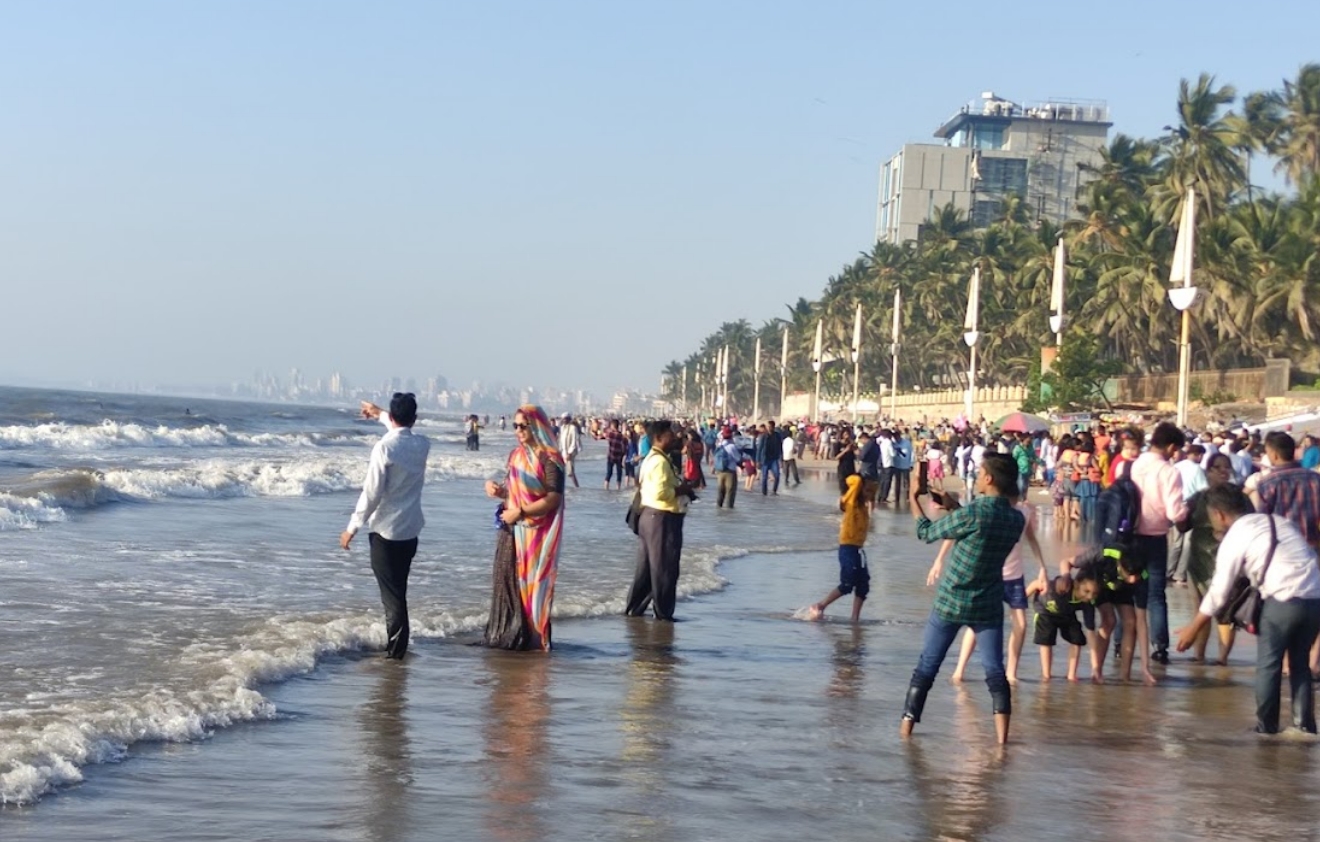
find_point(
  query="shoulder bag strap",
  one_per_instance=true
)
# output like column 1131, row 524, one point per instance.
column 1269, row 557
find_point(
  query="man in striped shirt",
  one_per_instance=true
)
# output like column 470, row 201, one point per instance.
column 1292, row 492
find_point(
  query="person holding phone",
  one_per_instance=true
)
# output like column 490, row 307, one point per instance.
column 664, row 499
column 971, row 591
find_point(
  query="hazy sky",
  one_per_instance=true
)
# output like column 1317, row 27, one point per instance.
column 563, row 193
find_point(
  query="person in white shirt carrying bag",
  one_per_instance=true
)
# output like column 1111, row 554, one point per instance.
column 1274, row 557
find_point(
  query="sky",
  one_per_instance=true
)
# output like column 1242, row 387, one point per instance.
column 535, row 193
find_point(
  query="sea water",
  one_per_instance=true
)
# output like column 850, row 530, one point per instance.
column 161, row 559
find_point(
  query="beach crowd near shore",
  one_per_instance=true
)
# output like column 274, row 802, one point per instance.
column 1222, row 511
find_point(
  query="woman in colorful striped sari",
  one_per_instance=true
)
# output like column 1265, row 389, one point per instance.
column 530, row 519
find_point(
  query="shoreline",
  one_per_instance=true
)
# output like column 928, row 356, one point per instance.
column 736, row 720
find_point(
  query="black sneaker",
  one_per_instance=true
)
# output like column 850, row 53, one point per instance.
column 1160, row 656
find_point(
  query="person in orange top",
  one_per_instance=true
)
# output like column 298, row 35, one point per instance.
column 1133, row 439
column 854, row 578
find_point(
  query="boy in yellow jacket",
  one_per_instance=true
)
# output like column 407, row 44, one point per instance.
column 854, row 578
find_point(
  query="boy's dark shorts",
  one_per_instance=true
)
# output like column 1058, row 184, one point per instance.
column 1123, row 593
column 853, row 575
column 1050, row 627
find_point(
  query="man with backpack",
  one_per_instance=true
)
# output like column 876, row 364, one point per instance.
column 1120, row 571
column 1162, row 505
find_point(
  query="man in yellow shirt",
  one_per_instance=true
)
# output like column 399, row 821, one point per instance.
column 665, row 500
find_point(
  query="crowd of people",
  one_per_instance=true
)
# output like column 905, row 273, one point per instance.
column 1151, row 511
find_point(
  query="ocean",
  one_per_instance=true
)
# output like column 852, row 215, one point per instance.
column 161, row 559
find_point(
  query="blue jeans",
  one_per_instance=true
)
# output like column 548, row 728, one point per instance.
column 766, row 470
column 1154, row 551
column 936, row 640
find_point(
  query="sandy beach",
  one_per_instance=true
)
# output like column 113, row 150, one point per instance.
column 737, row 722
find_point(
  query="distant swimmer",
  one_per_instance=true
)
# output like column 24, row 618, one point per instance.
column 391, row 508
column 473, row 433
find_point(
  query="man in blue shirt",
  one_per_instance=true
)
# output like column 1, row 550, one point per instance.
column 902, row 465
column 709, row 437
column 769, row 450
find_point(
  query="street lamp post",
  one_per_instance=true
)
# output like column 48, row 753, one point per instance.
column 816, row 363
column 893, row 352
column 756, row 385
column 1057, row 321
column 856, row 358
column 783, row 374
column 971, row 335
column 1184, row 297
column 724, row 380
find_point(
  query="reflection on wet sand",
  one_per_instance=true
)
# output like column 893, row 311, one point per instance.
column 848, row 677
column 388, row 772
column 646, row 719
column 516, row 746
column 961, row 800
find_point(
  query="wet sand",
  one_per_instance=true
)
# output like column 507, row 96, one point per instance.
column 736, row 723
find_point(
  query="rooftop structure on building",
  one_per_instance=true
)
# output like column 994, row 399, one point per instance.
column 994, row 149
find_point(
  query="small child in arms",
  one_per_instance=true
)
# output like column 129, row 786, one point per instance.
column 854, row 578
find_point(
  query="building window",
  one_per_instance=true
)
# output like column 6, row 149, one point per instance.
column 985, row 212
column 1003, row 175
column 988, row 137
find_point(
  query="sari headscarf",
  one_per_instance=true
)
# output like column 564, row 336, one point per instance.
column 536, row 540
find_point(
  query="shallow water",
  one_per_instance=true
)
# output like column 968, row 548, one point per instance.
column 738, row 722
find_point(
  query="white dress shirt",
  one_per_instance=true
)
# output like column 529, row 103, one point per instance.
column 1293, row 572
column 391, row 500
column 1193, row 477
column 790, row 449
column 569, row 446
column 886, row 452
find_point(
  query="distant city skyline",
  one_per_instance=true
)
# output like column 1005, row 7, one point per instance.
column 573, row 194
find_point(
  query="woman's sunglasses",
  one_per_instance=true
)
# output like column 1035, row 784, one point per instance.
column 520, row 426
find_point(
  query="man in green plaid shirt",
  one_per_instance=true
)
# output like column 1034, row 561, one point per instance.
column 971, row 591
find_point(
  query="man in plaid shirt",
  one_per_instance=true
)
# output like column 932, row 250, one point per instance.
column 1291, row 491
column 971, row 591
column 616, row 448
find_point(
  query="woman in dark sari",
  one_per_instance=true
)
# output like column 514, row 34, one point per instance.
column 530, row 520
column 1205, row 546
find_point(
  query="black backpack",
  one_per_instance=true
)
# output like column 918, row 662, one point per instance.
column 1117, row 511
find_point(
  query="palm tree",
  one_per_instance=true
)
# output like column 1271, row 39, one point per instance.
column 1201, row 151
column 1258, row 259
column 1297, row 141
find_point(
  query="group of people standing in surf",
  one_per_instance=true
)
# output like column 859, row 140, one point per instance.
column 1124, row 572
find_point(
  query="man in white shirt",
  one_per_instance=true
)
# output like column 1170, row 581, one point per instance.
column 1272, row 553
column 570, row 445
column 390, row 506
column 886, row 442
column 790, row 460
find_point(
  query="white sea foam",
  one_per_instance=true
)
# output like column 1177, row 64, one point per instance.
column 111, row 435
column 50, row 495
column 27, row 512
column 220, row 687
